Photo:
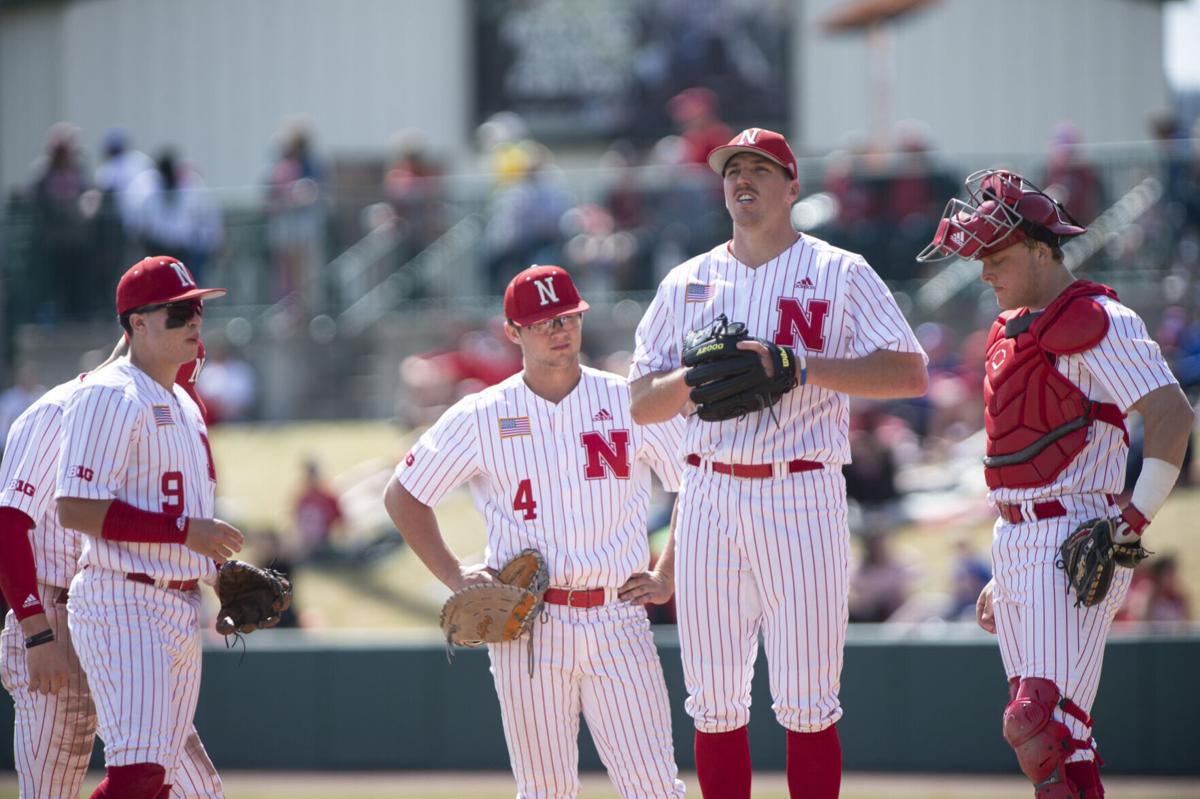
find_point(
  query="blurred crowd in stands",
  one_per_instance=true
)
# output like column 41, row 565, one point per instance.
column 70, row 231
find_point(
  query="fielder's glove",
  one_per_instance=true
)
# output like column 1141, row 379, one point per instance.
column 504, row 610
column 1089, row 557
column 727, row 381
column 251, row 598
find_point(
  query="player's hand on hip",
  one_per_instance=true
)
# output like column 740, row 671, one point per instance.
column 479, row 574
column 48, row 666
column 213, row 538
column 983, row 609
column 649, row 587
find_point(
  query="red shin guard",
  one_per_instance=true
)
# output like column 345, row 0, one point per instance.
column 723, row 764
column 1086, row 776
column 138, row 781
column 814, row 764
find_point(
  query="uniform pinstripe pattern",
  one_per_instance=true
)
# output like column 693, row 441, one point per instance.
column 1041, row 632
column 114, row 449
column 769, row 556
column 53, row 734
column 140, row 647
column 861, row 318
column 31, row 457
column 601, row 662
column 140, row 644
column 547, row 489
column 1124, row 367
column 592, row 531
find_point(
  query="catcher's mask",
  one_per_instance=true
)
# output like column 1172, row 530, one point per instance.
column 1002, row 209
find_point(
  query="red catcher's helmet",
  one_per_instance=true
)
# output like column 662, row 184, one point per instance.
column 1002, row 209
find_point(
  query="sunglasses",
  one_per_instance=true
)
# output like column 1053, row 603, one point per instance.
column 178, row 313
column 547, row 326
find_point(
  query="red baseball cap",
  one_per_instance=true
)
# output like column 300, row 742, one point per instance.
column 541, row 292
column 760, row 141
column 156, row 280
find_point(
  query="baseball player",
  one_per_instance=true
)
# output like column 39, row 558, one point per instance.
column 763, row 541
column 55, row 718
column 136, row 475
column 1051, row 465
column 555, row 463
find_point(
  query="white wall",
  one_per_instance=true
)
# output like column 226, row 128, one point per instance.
column 217, row 78
column 992, row 76
column 30, row 76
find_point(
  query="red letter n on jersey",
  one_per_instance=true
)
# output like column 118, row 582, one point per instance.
column 611, row 454
column 807, row 325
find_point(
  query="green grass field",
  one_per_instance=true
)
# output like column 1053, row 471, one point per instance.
column 471, row 785
column 259, row 469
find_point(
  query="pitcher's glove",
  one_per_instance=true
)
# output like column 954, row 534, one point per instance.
column 251, row 598
column 1089, row 556
column 504, row 610
column 727, row 381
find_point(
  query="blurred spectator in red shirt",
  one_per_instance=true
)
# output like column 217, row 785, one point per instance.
column 317, row 513
column 1157, row 594
column 694, row 112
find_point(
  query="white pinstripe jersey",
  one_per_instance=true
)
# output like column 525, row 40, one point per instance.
column 823, row 301
column 27, row 480
column 571, row 479
column 126, row 437
column 1124, row 367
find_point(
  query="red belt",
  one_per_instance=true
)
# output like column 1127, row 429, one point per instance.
column 1041, row 510
column 575, row 597
column 174, row 585
column 1012, row 513
column 755, row 470
column 61, row 597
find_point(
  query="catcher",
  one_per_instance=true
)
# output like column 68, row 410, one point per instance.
column 561, row 475
column 1066, row 361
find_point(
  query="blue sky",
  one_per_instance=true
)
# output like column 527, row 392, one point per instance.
column 1182, row 22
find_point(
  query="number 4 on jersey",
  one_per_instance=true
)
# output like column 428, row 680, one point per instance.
column 523, row 501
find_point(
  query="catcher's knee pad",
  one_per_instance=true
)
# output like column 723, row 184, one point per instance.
column 1042, row 743
column 136, row 781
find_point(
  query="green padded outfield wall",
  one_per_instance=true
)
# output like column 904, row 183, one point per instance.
column 910, row 706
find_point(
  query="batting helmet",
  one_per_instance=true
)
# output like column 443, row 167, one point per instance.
column 1002, row 209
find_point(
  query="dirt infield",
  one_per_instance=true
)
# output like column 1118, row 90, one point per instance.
column 495, row 785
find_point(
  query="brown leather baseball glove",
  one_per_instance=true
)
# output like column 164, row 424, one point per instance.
column 251, row 598
column 503, row 610
column 1089, row 556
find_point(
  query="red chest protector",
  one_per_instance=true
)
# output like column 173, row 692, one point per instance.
column 1037, row 420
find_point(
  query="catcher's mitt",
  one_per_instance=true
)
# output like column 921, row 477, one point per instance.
column 503, row 610
column 251, row 598
column 727, row 381
column 1089, row 555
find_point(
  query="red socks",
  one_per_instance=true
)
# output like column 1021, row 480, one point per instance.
column 814, row 764
column 723, row 764
column 138, row 781
column 1086, row 776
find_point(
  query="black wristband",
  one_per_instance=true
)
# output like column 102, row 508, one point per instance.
column 37, row 639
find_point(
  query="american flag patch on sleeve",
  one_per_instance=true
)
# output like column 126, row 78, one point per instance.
column 514, row 426
column 698, row 292
column 162, row 415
